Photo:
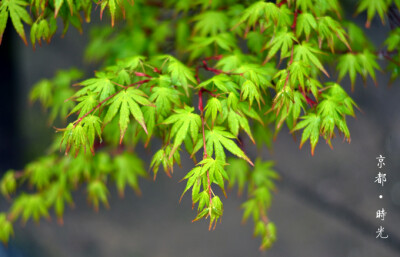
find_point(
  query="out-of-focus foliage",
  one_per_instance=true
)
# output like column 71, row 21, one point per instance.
column 202, row 77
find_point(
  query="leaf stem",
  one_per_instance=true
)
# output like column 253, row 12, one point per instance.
column 108, row 98
column 288, row 73
column 201, row 109
column 217, row 71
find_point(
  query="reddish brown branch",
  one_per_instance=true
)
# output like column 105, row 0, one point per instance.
column 282, row 3
column 288, row 72
column 387, row 57
column 141, row 74
column 201, row 109
column 217, row 71
column 216, row 57
column 294, row 24
column 309, row 101
column 108, row 98
column 196, row 75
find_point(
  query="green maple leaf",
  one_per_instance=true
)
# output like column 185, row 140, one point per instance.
column 86, row 104
column 226, row 41
column 17, row 12
column 40, row 171
column 348, row 63
column 250, row 91
column 223, row 82
column 329, row 110
column 202, row 45
column 112, row 6
column 162, row 157
column 260, row 10
column 393, row 41
column 6, row 228
column 252, row 113
column 337, row 93
column 372, row 7
column 263, row 175
column 27, row 206
column 131, row 63
column 57, row 5
column 216, row 174
column 299, row 72
column 164, row 99
column 311, row 124
column 261, row 75
column 336, row 104
column 57, row 195
column 97, row 192
column 230, row 62
column 210, row 22
column 184, row 120
column 192, row 177
column 250, row 208
column 8, row 183
column 101, row 85
column 91, row 125
column 368, row 64
column 149, row 114
column 305, row 22
column 42, row 91
column 180, row 74
column 41, row 30
column 126, row 102
column 306, row 53
column 331, row 29
column 238, row 171
column 305, row 5
column 233, row 100
column 216, row 170
column 212, row 108
column 283, row 41
column 236, row 120
column 129, row 168
column 255, row 41
column 217, row 139
column 358, row 39
column 74, row 138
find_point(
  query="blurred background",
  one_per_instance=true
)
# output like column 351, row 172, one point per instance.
column 325, row 205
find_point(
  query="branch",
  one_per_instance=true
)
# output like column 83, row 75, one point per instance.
column 386, row 54
column 201, row 109
column 282, row 3
column 293, row 27
column 216, row 71
column 288, row 71
column 108, row 98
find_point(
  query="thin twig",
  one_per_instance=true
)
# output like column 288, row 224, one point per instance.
column 217, row 71
column 201, row 109
column 108, row 98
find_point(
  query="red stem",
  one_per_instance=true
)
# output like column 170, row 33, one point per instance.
column 282, row 3
column 141, row 74
column 217, row 71
column 108, row 98
column 293, row 27
column 201, row 109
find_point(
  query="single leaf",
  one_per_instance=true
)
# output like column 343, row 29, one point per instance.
column 18, row 13
column 311, row 124
column 126, row 102
column 305, row 22
column 217, row 139
column 283, row 41
column 306, row 53
column 184, row 121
